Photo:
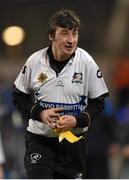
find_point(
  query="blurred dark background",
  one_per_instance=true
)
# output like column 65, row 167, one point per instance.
column 33, row 16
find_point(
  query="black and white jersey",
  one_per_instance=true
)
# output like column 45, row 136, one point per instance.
column 79, row 80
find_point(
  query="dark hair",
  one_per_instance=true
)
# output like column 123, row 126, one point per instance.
column 65, row 19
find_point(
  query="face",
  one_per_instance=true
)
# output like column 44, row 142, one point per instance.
column 64, row 43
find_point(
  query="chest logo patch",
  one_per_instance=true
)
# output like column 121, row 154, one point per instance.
column 42, row 78
column 60, row 83
column 77, row 78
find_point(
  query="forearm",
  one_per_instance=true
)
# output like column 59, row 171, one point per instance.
column 23, row 102
column 94, row 108
column 26, row 106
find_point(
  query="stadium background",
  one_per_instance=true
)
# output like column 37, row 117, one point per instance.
column 105, row 35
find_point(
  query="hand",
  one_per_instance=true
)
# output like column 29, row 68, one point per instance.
column 65, row 122
column 50, row 116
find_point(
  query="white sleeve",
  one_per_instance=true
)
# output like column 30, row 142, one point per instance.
column 23, row 80
column 2, row 156
column 97, row 86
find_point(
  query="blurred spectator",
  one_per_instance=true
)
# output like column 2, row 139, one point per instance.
column 121, row 81
column 2, row 159
column 122, row 154
column 100, row 139
column 120, row 161
column 12, row 129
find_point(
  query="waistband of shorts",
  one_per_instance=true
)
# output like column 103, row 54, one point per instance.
column 41, row 137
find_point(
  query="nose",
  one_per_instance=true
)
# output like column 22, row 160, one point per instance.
column 70, row 39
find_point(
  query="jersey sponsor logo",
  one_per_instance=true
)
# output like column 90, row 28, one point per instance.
column 69, row 109
column 42, row 78
column 77, row 78
column 99, row 74
column 35, row 157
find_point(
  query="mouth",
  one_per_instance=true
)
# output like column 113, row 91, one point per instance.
column 69, row 47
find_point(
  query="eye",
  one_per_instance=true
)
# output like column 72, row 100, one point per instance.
column 75, row 33
column 64, row 33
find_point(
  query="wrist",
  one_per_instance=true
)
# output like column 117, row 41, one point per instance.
column 35, row 112
column 83, row 120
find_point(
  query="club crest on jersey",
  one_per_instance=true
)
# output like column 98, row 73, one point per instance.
column 77, row 78
column 42, row 78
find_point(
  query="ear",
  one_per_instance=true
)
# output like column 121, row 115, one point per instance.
column 50, row 37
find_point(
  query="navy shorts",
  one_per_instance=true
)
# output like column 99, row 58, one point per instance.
column 46, row 158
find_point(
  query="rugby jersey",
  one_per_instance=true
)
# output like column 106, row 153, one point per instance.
column 79, row 80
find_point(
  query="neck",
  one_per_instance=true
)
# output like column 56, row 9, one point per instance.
column 57, row 56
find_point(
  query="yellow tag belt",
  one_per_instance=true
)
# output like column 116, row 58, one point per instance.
column 68, row 135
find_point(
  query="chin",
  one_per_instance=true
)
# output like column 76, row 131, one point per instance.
column 70, row 52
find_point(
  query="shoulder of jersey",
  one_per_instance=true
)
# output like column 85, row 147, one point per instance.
column 84, row 55
column 38, row 54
